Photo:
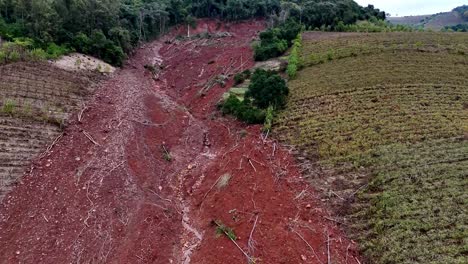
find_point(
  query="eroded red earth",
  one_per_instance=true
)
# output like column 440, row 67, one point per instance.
column 150, row 186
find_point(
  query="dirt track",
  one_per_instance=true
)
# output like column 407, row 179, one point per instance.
column 121, row 200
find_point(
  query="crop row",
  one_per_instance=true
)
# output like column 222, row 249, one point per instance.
column 418, row 209
column 395, row 113
column 20, row 141
column 352, row 45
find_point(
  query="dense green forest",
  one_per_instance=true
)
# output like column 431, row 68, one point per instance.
column 110, row 29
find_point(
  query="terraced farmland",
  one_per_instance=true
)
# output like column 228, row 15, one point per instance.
column 381, row 122
column 36, row 100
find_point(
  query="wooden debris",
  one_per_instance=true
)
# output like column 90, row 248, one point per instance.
column 90, row 138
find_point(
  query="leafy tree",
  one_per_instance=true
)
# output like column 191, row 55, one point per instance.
column 122, row 24
column 244, row 110
column 267, row 89
column 275, row 41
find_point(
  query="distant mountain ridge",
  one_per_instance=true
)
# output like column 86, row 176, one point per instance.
column 437, row 21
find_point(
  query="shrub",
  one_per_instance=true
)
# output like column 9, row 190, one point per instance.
column 8, row 107
column 294, row 58
column 38, row 54
column 14, row 56
column 268, row 119
column 292, row 70
column 24, row 43
column 243, row 111
column 275, row 41
column 55, row 51
column 241, row 77
column 267, row 89
column 330, row 55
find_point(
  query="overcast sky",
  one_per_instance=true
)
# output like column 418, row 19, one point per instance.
column 414, row 7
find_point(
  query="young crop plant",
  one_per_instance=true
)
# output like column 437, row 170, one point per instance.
column 294, row 62
column 8, row 107
column 166, row 154
column 394, row 133
column 222, row 229
column 270, row 114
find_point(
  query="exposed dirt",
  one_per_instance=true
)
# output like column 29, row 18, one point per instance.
column 148, row 189
column 81, row 62
column 42, row 98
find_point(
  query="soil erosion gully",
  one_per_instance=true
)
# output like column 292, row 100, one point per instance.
column 153, row 169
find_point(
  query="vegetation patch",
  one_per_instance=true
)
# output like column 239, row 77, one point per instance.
column 222, row 229
column 267, row 90
column 386, row 118
column 295, row 58
column 241, row 77
column 8, row 107
column 275, row 41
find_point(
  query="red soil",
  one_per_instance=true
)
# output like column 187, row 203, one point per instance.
column 121, row 201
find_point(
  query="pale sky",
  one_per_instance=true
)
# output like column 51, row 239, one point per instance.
column 413, row 7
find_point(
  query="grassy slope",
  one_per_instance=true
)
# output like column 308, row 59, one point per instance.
column 434, row 22
column 395, row 107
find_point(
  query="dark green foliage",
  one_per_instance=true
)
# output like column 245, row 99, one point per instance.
column 316, row 14
column 54, row 51
column 275, row 41
column 267, row 89
column 110, row 28
column 241, row 77
column 457, row 28
column 244, row 110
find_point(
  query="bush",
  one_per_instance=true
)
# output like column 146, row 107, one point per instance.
column 267, row 89
column 292, row 70
column 8, row 107
column 294, row 62
column 38, row 54
column 14, row 56
column 241, row 77
column 243, row 111
column 268, row 119
column 55, row 51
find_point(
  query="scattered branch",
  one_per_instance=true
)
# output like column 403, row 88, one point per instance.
column 328, row 248
column 80, row 114
column 230, row 236
column 307, row 243
column 251, row 243
column 251, row 164
column 90, row 138
column 51, row 145
column 206, row 194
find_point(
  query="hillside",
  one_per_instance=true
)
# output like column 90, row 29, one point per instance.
column 154, row 173
column 36, row 100
column 380, row 122
column 434, row 22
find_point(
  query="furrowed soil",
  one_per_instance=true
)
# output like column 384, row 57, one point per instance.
column 153, row 165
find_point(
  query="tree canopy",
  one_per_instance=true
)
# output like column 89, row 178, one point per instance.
column 110, row 29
